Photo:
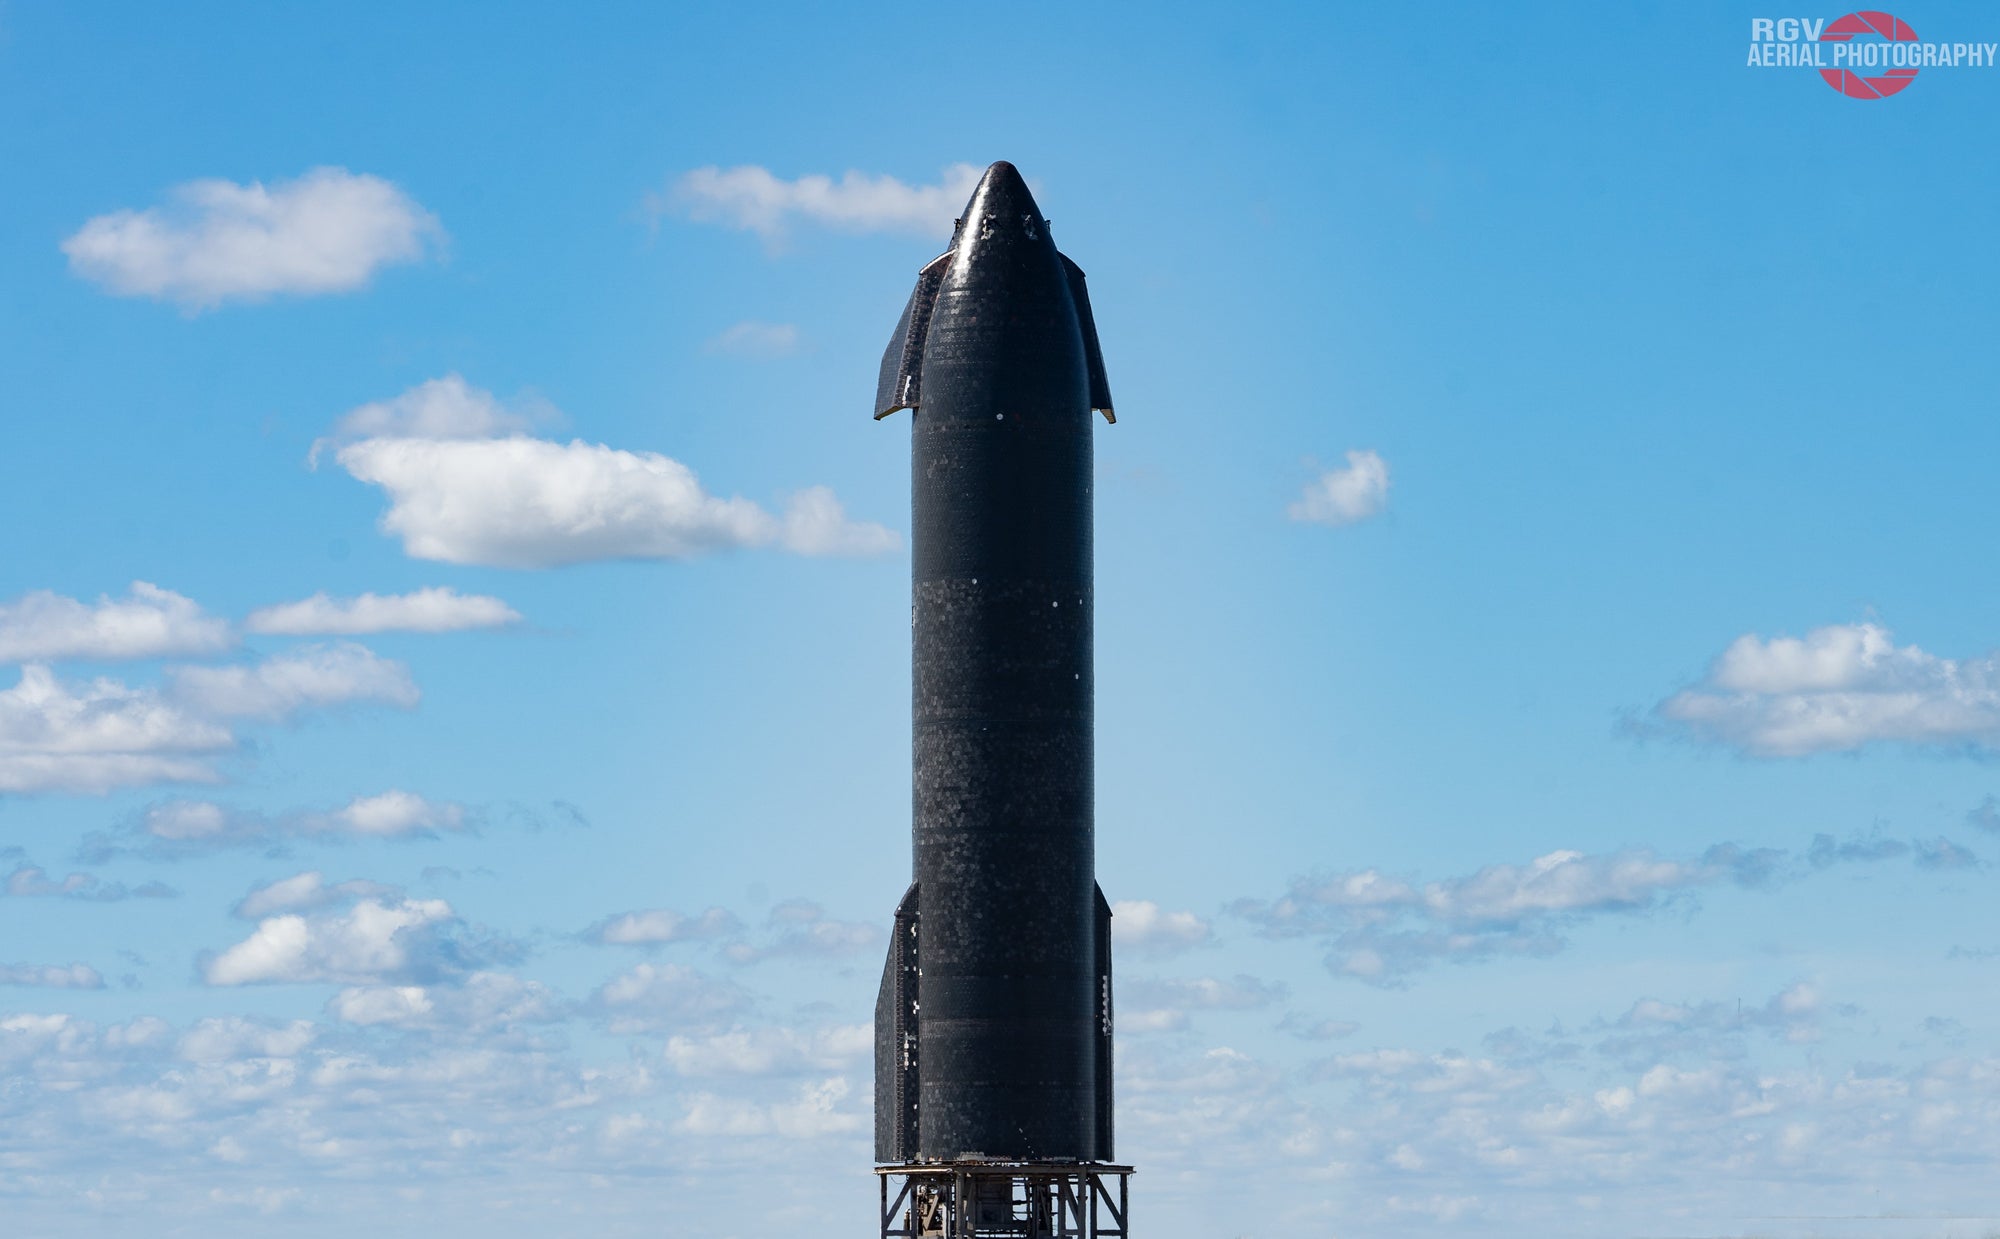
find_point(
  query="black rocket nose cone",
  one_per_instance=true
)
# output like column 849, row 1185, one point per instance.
column 1002, row 194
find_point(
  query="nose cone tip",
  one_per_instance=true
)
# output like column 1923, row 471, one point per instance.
column 1001, row 191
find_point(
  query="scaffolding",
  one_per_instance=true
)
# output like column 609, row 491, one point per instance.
column 1005, row 1200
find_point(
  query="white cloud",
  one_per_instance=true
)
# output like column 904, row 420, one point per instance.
column 1382, row 928
column 328, row 231
column 436, row 609
column 228, row 1038
column 811, row 1115
column 389, row 814
column 659, row 997
column 1838, row 689
column 338, row 673
column 1162, row 1004
column 477, row 1002
column 96, row 736
column 464, row 488
column 815, row 524
column 770, row 1051
column 351, row 933
column 146, row 1119
column 383, row 1004
column 656, row 926
column 446, row 408
column 751, row 199
column 532, row 503
column 51, row 976
column 305, row 891
column 1307, row 1028
column 174, row 829
column 762, row 341
column 1240, row 993
column 801, row 929
column 186, row 820
column 1151, row 1020
column 1652, row 1031
column 33, row 882
column 1344, row 496
column 1143, row 926
column 146, row 623
column 362, row 943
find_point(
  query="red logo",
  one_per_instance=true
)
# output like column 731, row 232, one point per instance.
column 1869, row 23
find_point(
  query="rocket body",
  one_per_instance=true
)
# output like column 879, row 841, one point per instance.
column 993, row 1025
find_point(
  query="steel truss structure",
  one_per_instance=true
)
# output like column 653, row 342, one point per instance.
column 1005, row 1200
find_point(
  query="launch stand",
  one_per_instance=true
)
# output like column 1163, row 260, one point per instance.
column 1018, row 1200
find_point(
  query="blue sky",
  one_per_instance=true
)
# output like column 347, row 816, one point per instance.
column 454, row 646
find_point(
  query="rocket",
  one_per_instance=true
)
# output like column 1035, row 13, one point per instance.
column 993, row 1022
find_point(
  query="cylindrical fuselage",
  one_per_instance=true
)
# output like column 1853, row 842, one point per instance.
column 1001, row 632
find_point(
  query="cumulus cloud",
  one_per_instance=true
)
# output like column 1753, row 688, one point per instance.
column 1652, row 1031
column 436, row 609
column 176, row 829
column 215, row 241
column 33, row 882
column 532, row 503
column 1942, row 853
column 477, row 1002
column 658, row 926
column 312, row 677
column 762, row 341
column 1142, row 926
column 1162, row 1004
column 770, row 1051
column 475, row 493
column 752, row 199
column 814, row 1113
column 51, row 976
column 355, row 933
column 390, row 814
column 1382, row 928
column 304, row 892
column 1838, row 689
column 1239, row 993
column 228, row 1038
column 257, row 1103
column 1309, row 1028
column 147, row 623
column 1345, row 495
column 801, row 929
column 96, row 736
column 666, row 997
column 446, row 408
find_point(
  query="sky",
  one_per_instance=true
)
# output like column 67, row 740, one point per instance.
column 454, row 668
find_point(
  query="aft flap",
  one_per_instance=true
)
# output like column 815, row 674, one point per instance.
column 901, row 383
column 1101, row 1047
column 1093, row 357
column 896, row 1079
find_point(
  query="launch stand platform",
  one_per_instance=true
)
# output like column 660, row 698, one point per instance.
column 1018, row 1200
